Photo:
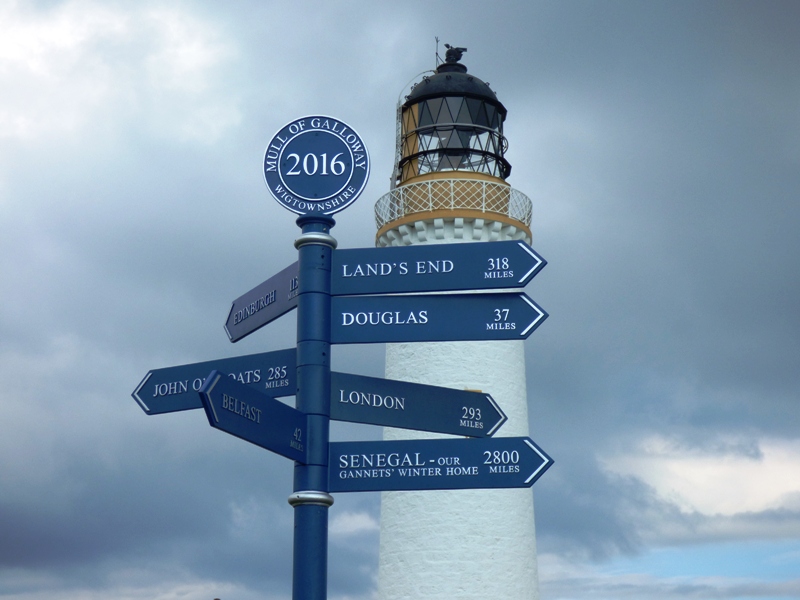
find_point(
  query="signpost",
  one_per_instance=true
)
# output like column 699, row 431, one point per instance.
column 315, row 166
column 176, row 388
column 254, row 417
column 448, row 464
column 263, row 304
column 433, row 318
column 434, row 268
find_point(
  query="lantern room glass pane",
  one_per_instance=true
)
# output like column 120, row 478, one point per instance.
column 481, row 118
column 491, row 116
column 448, row 139
column 425, row 117
column 474, row 106
column 463, row 113
column 464, row 136
column 454, row 106
column 435, row 106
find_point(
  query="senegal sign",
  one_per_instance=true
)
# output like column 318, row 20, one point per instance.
column 316, row 165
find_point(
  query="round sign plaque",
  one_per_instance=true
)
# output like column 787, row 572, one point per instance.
column 316, row 165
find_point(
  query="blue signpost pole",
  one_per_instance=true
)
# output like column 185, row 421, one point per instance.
column 311, row 499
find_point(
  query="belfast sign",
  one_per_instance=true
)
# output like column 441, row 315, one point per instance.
column 254, row 417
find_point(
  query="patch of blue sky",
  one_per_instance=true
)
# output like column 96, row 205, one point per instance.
column 762, row 560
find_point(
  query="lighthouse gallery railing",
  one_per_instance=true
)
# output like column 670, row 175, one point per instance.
column 453, row 194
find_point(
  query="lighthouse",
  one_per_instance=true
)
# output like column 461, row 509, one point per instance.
column 449, row 186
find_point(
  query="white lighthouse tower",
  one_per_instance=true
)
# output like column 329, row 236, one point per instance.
column 449, row 186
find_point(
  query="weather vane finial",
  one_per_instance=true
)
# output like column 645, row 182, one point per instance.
column 453, row 54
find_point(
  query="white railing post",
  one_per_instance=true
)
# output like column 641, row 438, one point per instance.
column 452, row 194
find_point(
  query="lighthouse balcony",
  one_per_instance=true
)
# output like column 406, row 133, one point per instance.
column 492, row 207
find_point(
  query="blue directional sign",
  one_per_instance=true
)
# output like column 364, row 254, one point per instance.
column 175, row 388
column 254, row 417
column 317, row 165
column 432, row 318
column 447, row 464
column 263, row 304
column 434, row 268
column 389, row 403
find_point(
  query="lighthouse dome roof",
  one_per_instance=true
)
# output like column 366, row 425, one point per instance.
column 451, row 79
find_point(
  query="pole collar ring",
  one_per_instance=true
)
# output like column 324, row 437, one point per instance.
column 313, row 237
column 310, row 497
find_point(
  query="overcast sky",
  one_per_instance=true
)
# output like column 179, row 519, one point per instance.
column 660, row 144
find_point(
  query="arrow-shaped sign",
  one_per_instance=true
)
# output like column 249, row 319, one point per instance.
column 175, row 388
column 433, row 268
column 354, row 398
column 427, row 268
column 376, row 401
column 238, row 409
column 263, row 304
column 433, row 318
column 448, row 464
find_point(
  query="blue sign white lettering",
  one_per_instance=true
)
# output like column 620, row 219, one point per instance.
column 448, row 464
column 433, row 268
column 317, row 165
column 254, row 417
column 263, row 304
column 171, row 389
column 390, row 403
column 433, row 318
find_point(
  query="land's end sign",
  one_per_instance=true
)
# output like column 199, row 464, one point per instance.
column 434, row 268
